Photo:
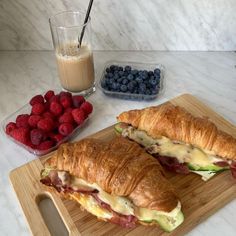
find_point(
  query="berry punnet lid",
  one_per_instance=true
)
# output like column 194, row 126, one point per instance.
column 47, row 121
column 132, row 80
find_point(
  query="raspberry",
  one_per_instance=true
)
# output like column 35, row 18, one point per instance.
column 45, row 145
column 65, row 129
column 68, row 110
column 47, row 106
column 56, row 108
column 56, row 125
column 30, row 144
column 65, row 94
column 66, row 118
column 57, row 137
column 66, row 101
column 78, row 115
column 46, row 124
column 20, row 134
column 55, row 98
column 37, row 109
column 48, row 114
column 10, row 126
column 36, row 136
column 22, row 120
column 87, row 107
column 36, row 99
column 33, row 120
column 77, row 100
column 48, row 95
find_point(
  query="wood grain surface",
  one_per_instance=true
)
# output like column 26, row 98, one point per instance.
column 199, row 199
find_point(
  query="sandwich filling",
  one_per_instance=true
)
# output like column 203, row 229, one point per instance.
column 178, row 156
column 116, row 209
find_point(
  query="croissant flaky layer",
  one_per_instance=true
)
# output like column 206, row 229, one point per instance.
column 176, row 123
column 120, row 167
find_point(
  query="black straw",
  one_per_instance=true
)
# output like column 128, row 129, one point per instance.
column 85, row 21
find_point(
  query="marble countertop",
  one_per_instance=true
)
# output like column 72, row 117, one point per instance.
column 210, row 76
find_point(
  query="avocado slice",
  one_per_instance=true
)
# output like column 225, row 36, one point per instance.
column 168, row 223
column 119, row 127
column 212, row 167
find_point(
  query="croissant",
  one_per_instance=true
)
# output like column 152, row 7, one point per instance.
column 118, row 172
column 120, row 168
column 176, row 123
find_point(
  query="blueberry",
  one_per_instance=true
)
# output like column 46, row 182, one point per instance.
column 110, row 75
column 155, row 90
column 153, row 81
column 106, row 75
column 148, row 85
column 157, row 71
column 148, row 92
column 127, row 68
column 116, row 76
column 157, row 76
column 144, row 74
column 135, row 83
column 119, row 80
column 150, row 73
column 115, row 86
column 120, row 68
column 130, row 77
column 121, row 73
column 130, row 86
column 123, row 88
column 126, row 73
column 110, row 81
column 116, row 68
column 125, row 81
column 112, row 67
column 108, row 70
column 139, row 79
column 142, row 88
column 134, row 72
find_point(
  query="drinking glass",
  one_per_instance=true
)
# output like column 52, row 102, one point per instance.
column 74, row 58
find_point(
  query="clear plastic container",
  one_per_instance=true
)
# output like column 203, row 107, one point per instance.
column 26, row 110
column 137, row 66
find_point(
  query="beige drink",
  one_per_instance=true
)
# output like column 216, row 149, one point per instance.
column 75, row 67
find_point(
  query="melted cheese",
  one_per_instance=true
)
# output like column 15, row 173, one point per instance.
column 148, row 215
column 166, row 147
column 119, row 204
column 90, row 204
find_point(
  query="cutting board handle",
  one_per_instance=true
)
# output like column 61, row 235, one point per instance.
column 31, row 192
column 64, row 215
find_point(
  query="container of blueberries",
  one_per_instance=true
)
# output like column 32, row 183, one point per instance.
column 132, row 80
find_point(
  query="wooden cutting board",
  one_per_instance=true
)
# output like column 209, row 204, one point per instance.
column 199, row 199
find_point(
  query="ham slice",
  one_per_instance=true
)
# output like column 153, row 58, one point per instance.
column 233, row 169
column 221, row 163
column 126, row 221
column 172, row 164
column 53, row 180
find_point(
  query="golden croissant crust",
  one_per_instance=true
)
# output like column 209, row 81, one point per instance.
column 176, row 123
column 120, row 167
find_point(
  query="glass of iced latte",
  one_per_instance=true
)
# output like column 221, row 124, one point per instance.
column 74, row 56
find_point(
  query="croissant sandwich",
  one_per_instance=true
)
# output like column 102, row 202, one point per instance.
column 181, row 142
column 116, row 181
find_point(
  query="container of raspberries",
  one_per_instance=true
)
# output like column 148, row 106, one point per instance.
column 47, row 121
column 132, row 80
